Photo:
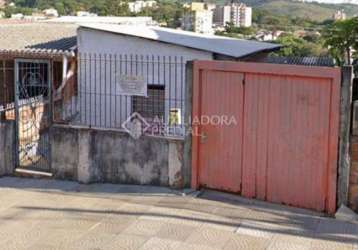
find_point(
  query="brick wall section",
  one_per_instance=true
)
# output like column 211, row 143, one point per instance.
column 353, row 180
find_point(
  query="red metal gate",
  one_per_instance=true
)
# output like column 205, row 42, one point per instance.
column 278, row 134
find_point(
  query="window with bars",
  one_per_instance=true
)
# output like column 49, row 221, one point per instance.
column 152, row 106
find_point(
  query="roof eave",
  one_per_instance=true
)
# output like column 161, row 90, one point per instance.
column 38, row 52
column 267, row 50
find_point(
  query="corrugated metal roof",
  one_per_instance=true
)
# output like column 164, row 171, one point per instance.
column 307, row 61
column 216, row 44
column 38, row 38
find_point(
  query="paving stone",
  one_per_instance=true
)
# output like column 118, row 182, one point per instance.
column 92, row 241
column 126, row 242
column 113, row 226
column 198, row 205
column 134, row 210
column 288, row 246
column 47, row 214
column 235, row 214
column 326, row 244
column 305, row 238
column 209, row 237
column 160, row 244
column 221, row 223
column 256, row 229
column 159, row 213
column 59, row 237
column 44, row 246
column 243, row 242
column 73, row 223
column 188, row 246
column 175, row 231
column 144, row 227
column 178, row 202
column 184, row 218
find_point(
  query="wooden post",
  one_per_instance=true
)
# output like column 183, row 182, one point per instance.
column 344, row 135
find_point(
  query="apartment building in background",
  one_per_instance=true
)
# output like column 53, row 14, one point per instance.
column 222, row 15
column 198, row 18
column 237, row 13
column 138, row 6
column 199, row 21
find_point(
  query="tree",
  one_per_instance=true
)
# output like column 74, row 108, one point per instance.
column 168, row 12
column 116, row 8
column 295, row 46
column 246, row 31
column 14, row 10
column 341, row 38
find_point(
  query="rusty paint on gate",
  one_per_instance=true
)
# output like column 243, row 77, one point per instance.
column 284, row 146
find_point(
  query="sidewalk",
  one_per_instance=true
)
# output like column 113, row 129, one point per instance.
column 49, row 214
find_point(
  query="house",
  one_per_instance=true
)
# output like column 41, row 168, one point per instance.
column 36, row 54
column 264, row 35
column 156, row 57
column 85, row 13
column 50, row 12
column 138, row 6
column 339, row 15
column 17, row 16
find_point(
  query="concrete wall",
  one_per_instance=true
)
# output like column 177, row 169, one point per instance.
column 64, row 153
column 106, row 108
column 110, row 156
column 7, row 143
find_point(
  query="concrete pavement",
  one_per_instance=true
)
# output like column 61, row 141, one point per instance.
column 49, row 214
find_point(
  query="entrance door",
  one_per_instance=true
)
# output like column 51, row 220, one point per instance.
column 33, row 114
column 221, row 128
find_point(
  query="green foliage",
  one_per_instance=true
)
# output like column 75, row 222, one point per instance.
column 264, row 19
column 341, row 38
column 115, row 8
column 233, row 35
column 246, row 31
column 295, row 46
column 166, row 12
column 14, row 10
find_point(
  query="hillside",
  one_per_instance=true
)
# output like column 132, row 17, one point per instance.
column 314, row 11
